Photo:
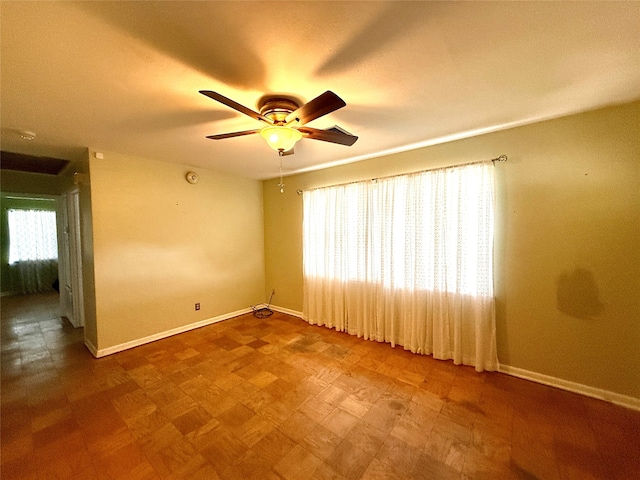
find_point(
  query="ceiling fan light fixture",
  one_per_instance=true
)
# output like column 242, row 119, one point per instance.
column 280, row 138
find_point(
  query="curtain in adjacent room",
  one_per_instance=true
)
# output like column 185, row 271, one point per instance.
column 406, row 260
column 33, row 249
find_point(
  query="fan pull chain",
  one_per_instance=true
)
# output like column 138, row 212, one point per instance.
column 281, row 185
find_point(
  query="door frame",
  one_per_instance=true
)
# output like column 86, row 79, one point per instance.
column 75, row 255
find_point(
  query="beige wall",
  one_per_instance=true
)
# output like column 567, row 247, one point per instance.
column 161, row 244
column 567, row 270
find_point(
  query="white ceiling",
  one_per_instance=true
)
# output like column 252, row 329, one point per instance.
column 124, row 76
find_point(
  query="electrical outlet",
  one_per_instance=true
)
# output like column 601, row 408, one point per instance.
column 198, row 306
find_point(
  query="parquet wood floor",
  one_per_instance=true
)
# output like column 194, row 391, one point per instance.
column 276, row 398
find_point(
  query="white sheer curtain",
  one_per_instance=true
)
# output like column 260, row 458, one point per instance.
column 33, row 249
column 406, row 260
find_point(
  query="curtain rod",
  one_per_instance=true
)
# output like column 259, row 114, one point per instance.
column 502, row 158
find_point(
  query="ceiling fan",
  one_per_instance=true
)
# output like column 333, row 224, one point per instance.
column 286, row 120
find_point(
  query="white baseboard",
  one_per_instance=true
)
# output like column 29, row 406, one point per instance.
column 606, row 395
column 158, row 336
column 92, row 348
column 286, row 310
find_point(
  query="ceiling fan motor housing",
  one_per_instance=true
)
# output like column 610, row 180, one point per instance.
column 277, row 108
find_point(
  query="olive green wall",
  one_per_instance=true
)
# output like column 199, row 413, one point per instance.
column 161, row 244
column 30, row 183
column 567, row 247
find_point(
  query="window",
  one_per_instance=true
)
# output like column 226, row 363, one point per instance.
column 32, row 235
column 406, row 260
column 427, row 231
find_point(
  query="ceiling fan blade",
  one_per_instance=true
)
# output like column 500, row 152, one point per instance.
column 330, row 135
column 236, row 106
column 221, row 136
column 326, row 103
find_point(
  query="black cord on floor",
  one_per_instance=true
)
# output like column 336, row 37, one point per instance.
column 261, row 310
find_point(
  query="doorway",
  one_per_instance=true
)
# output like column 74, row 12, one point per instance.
column 71, row 296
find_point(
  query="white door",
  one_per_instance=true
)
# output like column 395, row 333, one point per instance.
column 73, row 285
column 76, row 257
column 64, row 264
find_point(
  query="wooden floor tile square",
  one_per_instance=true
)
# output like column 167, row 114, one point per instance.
column 325, row 472
column 380, row 471
column 316, row 409
column 223, row 447
column 339, row 422
column 427, row 468
column 273, row 446
column 254, row 430
column 297, row 464
column 398, row 455
column 175, row 459
column 349, row 460
column 297, row 426
column 321, row 442
column 236, row 416
column 192, row 420
column 120, row 462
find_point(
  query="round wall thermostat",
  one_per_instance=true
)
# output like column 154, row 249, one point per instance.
column 192, row 177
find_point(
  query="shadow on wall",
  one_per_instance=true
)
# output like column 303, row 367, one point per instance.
column 578, row 295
